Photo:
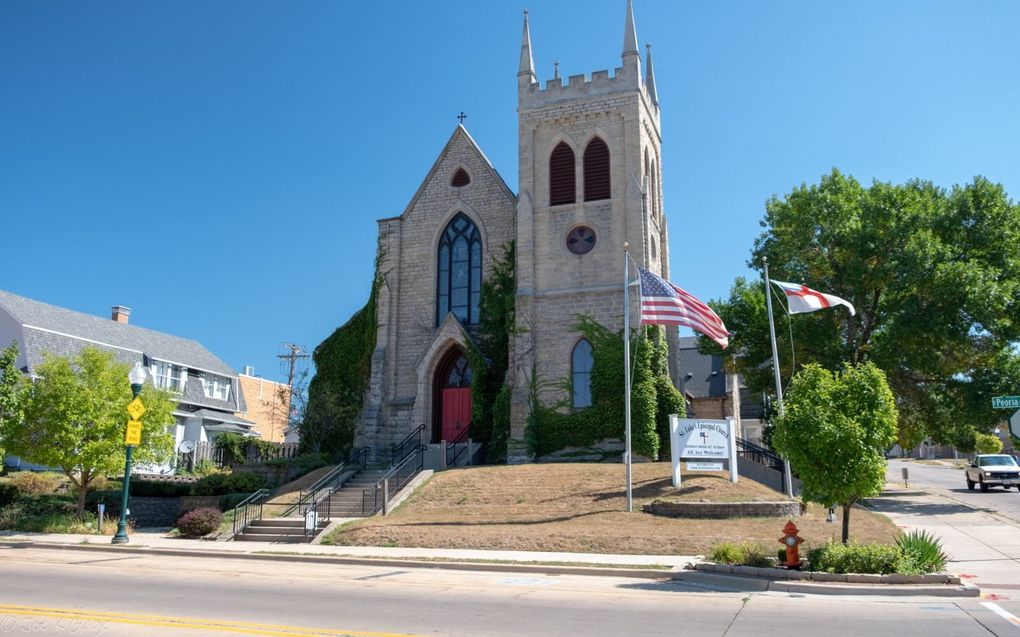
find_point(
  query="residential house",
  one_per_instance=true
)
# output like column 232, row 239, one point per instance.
column 268, row 405
column 209, row 391
column 712, row 393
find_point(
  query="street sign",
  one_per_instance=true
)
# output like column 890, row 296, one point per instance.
column 136, row 408
column 1014, row 423
column 133, row 435
column 1006, row 402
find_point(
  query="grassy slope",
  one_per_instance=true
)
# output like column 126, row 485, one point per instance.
column 580, row 507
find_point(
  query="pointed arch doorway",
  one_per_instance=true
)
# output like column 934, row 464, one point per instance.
column 451, row 413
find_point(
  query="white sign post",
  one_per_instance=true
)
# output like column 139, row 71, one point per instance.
column 700, row 440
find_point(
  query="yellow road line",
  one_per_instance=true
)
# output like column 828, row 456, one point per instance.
column 247, row 628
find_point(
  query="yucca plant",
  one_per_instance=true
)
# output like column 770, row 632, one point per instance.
column 921, row 552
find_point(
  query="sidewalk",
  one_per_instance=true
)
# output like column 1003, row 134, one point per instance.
column 984, row 548
column 159, row 541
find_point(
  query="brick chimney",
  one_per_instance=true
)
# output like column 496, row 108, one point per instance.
column 121, row 314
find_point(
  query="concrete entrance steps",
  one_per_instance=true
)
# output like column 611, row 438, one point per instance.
column 347, row 501
column 287, row 530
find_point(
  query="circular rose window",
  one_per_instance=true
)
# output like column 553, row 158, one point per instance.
column 581, row 240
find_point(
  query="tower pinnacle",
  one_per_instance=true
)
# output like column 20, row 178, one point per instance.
column 630, row 33
column 650, row 76
column 527, row 69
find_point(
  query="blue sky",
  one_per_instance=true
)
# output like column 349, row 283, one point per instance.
column 219, row 166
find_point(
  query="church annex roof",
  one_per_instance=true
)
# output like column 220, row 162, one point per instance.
column 460, row 131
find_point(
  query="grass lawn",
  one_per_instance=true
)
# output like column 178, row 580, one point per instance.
column 580, row 508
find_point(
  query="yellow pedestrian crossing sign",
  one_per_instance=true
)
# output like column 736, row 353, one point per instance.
column 136, row 408
column 133, row 435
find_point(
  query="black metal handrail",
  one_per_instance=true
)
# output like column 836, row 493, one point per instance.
column 395, row 479
column 404, row 448
column 329, row 483
column 249, row 510
column 761, row 455
column 457, row 446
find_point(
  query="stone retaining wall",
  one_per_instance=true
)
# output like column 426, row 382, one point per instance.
column 719, row 510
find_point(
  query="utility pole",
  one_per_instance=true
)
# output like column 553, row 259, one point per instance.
column 289, row 361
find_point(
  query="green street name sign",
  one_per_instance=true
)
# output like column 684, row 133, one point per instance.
column 1006, row 402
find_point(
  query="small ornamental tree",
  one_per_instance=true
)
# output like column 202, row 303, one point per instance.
column 12, row 385
column 75, row 414
column 987, row 443
column 835, row 432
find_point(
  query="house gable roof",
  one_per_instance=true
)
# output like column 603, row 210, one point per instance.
column 63, row 332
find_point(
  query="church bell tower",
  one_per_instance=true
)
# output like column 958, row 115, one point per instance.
column 589, row 174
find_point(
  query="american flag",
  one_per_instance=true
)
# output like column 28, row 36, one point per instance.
column 666, row 304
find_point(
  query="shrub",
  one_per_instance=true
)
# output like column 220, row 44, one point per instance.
column 224, row 483
column 207, row 468
column 987, row 443
column 745, row 553
column 35, row 483
column 199, row 522
column 8, row 493
column 920, row 552
column 231, row 500
column 856, row 558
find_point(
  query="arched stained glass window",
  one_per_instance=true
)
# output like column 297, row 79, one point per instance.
column 581, row 362
column 459, row 271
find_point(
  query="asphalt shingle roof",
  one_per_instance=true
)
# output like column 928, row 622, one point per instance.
column 63, row 332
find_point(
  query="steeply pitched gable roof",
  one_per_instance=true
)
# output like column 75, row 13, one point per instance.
column 64, row 332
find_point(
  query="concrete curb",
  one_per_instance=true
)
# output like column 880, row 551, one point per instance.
column 758, row 584
column 609, row 571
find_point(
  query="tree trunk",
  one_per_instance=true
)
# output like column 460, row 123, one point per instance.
column 846, row 520
column 81, row 499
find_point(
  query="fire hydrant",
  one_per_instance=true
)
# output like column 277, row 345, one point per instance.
column 792, row 542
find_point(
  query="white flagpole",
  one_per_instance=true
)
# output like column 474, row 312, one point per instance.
column 626, row 371
column 787, row 476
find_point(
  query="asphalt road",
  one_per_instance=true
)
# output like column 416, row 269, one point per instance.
column 71, row 592
column 950, row 483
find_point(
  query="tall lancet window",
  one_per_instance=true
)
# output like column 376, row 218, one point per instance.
column 596, row 170
column 459, row 271
column 581, row 362
column 562, row 186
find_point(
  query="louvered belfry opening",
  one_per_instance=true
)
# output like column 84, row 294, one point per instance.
column 460, row 178
column 561, row 176
column 596, row 170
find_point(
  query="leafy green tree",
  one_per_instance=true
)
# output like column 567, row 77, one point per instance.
column 12, row 385
column 75, row 415
column 835, row 431
column 987, row 443
column 934, row 275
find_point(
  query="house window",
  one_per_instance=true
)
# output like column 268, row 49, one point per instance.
column 581, row 361
column 596, row 170
column 562, row 188
column 459, row 271
column 168, row 376
column 217, row 387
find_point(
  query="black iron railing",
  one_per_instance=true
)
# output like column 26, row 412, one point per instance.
column 249, row 510
column 406, row 446
column 761, row 455
column 399, row 475
column 328, row 484
column 456, row 447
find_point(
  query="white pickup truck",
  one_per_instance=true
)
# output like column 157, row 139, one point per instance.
column 987, row 470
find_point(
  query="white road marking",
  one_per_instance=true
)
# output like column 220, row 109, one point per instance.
column 1002, row 612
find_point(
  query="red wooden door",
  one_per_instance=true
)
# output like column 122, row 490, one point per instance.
column 456, row 411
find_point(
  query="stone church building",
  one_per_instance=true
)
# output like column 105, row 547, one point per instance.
column 589, row 178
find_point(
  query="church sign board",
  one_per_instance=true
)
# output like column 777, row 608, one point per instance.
column 700, row 440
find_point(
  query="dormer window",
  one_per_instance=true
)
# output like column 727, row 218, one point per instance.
column 217, row 387
column 168, row 376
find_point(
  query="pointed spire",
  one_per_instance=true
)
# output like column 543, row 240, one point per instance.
column 527, row 63
column 650, row 76
column 630, row 32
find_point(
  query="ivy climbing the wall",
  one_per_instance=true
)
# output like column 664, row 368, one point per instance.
column 489, row 357
column 653, row 397
column 343, row 364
